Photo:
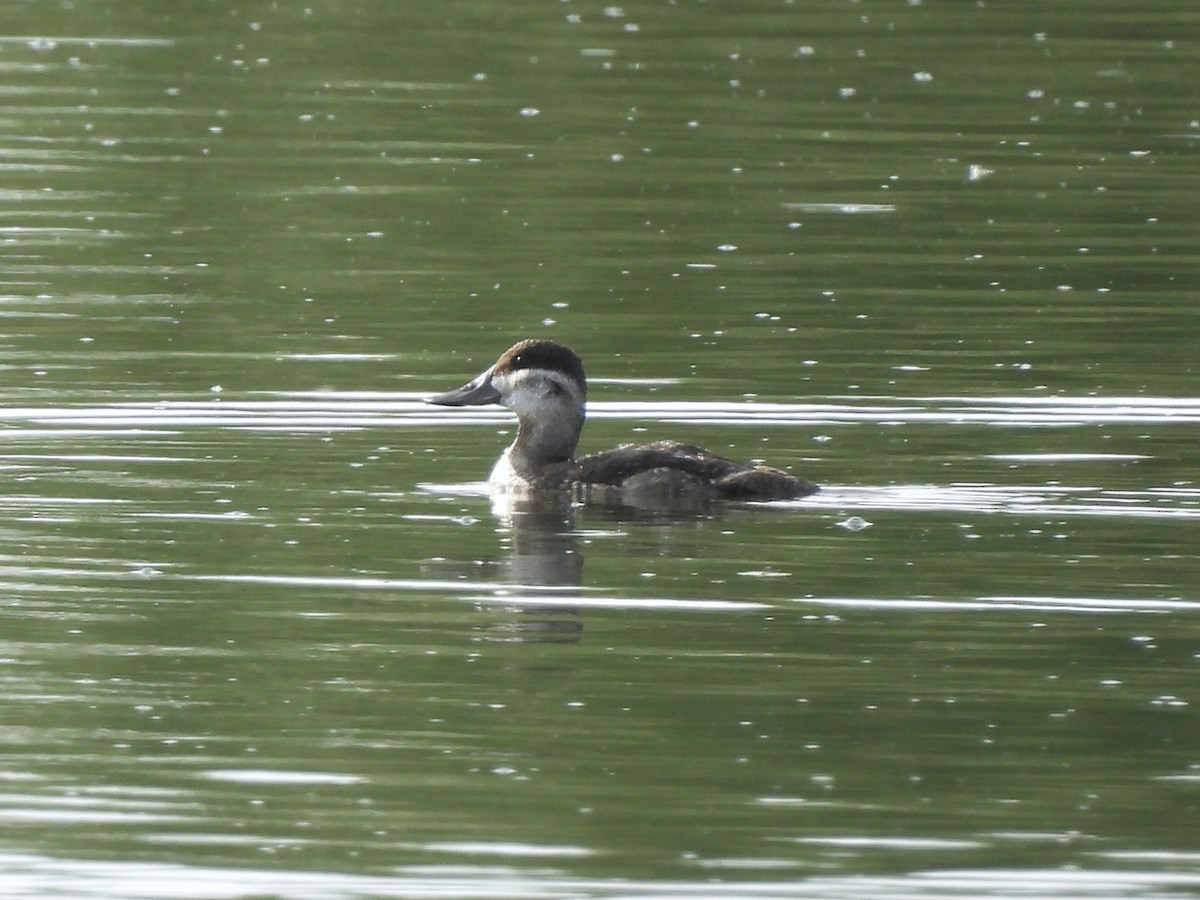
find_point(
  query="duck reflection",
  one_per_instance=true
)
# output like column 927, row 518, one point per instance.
column 545, row 539
column 543, row 552
column 542, row 542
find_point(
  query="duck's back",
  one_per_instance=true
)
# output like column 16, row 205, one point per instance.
column 669, row 468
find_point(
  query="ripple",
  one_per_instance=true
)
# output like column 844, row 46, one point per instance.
column 49, row 41
column 279, row 776
column 25, row 876
column 1057, row 500
column 845, row 209
column 330, row 408
column 1011, row 603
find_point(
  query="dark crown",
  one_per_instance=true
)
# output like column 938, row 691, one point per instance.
column 535, row 353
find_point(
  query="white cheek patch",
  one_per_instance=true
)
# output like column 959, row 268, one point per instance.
column 504, row 381
column 510, row 385
column 534, row 392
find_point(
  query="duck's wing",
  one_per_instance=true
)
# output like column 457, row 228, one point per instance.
column 724, row 477
column 763, row 483
column 621, row 463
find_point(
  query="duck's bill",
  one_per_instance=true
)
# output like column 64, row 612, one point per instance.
column 474, row 393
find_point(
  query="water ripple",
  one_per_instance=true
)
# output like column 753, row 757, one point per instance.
column 1057, row 500
column 366, row 409
column 31, row 875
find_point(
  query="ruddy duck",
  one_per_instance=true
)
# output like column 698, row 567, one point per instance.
column 543, row 383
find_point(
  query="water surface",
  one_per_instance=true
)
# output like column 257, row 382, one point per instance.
column 264, row 632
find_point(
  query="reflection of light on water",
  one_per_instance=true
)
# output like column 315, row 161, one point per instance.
column 1011, row 499
column 659, row 603
column 1066, row 457
column 44, row 876
column 845, row 209
column 526, row 595
column 1089, row 605
column 501, row 848
column 301, row 411
column 457, row 489
column 362, row 583
column 279, row 776
column 893, row 843
column 576, row 598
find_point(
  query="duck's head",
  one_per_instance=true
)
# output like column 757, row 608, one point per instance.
column 534, row 378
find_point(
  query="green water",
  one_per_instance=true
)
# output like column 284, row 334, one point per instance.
column 262, row 632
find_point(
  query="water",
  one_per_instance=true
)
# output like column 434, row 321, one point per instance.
column 263, row 631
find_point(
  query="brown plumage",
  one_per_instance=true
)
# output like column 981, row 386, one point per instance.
column 544, row 384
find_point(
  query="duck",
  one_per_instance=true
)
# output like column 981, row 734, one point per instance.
column 544, row 384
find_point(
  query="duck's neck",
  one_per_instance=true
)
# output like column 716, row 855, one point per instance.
column 543, row 441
